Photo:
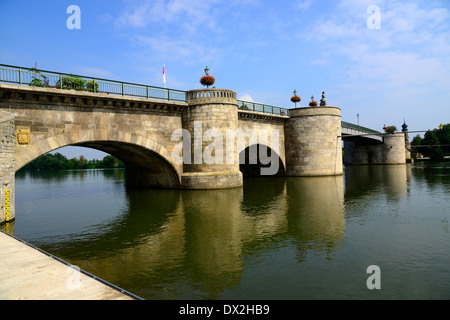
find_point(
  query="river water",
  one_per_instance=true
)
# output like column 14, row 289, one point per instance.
column 275, row 238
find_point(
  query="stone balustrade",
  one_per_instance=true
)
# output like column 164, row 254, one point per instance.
column 208, row 96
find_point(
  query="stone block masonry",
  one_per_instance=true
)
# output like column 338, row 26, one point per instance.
column 214, row 109
column 159, row 140
column 7, row 166
column 391, row 151
column 313, row 142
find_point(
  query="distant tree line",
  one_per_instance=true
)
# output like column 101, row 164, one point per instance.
column 58, row 161
column 435, row 144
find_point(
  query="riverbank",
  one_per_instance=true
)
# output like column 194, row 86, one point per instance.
column 31, row 274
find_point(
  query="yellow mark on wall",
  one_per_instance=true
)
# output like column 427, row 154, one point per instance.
column 7, row 205
column 23, row 136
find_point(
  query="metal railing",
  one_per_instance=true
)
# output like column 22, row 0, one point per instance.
column 359, row 128
column 259, row 107
column 50, row 79
column 59, row 80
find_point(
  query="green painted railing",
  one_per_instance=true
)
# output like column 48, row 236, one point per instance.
column 357, row 127
column 263, row 108
column 51, row 79
column 59, row 80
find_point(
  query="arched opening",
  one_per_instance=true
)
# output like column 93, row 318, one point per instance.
column 146, row 163
column 144, row 167
column 259, row 160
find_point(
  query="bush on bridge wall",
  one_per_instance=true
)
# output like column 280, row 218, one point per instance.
column 68, row 82
column 72, row 82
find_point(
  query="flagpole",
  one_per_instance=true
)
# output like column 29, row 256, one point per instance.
column 164, row 75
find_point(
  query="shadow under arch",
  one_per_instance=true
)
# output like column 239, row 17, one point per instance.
column 250, row 163
column 148, row 163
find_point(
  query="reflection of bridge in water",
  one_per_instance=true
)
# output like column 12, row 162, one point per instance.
column 213, row 234
column 209, row 234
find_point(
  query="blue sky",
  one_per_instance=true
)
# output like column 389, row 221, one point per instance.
column 261, row 49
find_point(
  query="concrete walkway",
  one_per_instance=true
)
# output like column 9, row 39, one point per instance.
column 29, row 274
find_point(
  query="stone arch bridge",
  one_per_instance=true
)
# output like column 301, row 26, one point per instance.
column 204, row 142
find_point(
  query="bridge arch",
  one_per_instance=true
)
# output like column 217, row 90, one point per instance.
column 253, row 159
column 148, row 163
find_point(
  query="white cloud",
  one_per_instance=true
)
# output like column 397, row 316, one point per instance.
column 95, row 72
column 411, row 48
column 246, row 97
column 395, row 69
column 168, row 49
column 191, row 14
column 170, row 30
column 304, row 5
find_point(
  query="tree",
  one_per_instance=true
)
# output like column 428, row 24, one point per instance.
column 107, row 162
column 433, row 149
column 58, row 161
column 72, row 164
column 417, row 140
column 82, row 162
column 443, row 134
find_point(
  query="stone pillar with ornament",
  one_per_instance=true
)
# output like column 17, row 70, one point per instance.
column 313, row 140
column 209, row 160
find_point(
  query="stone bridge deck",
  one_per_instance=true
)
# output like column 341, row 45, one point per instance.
column 353, row 132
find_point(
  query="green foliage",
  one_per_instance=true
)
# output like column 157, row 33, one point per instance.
column 39, row 80
column 65, row 82
column 437, row 142
column 109, row 162
column 443, row 134
column 92, row 86
column 36, row 82
column 72, row 82
column 58, row 161
column 390, row 129
column 417, row 140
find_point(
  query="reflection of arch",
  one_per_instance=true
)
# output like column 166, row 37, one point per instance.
column 143, row 216
column 247, row 158
column 264, row 196
column 148, row 163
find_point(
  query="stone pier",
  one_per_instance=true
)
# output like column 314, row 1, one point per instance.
column 210, row 114
column 313, row 142
column 391, row 151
